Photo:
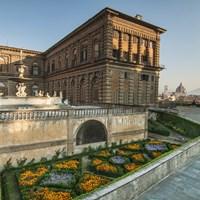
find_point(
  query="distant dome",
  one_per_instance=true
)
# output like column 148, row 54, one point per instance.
column 180, row 90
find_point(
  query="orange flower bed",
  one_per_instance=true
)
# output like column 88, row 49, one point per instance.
column 122, row 152
column 155, row 142
column 91, row 182
column 138, row 157
column 133, row 146
column 131, row 166
column 104, row 153
column 29, row 178
column 105, row 167
column 96, row 161
column 71, row 164
column 156, row 154
column 46, row 194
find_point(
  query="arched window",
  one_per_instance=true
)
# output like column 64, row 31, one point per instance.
column 115, row 44
column 35, row 69
column 74, row 57
column 53, row 66
column 66, row 59
column 97, row 49
column 35, row 90
column 59, row 62
column 72, row 91
column 48, row 67
column 94, row 90
column 3, row 64
column 83, row 54
column 82, row 91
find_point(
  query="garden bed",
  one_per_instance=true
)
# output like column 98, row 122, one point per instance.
column 67, row 179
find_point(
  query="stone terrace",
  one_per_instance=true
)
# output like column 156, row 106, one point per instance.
column 183, row 184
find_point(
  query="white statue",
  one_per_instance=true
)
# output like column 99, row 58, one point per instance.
column 21, row 90
column 61, row 94
column 40, row 93
column 47, row 94
column 54, row 93
column 36, row 93
column 21, row 71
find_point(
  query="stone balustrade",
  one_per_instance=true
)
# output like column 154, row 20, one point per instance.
column 61, row 114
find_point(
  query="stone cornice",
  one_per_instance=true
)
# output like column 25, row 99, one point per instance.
column 2, row 47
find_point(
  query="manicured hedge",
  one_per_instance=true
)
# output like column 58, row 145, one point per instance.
column 156, row 127
column 179, row 124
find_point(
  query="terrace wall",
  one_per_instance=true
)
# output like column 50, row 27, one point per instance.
column 130, row 187
column 35, row 134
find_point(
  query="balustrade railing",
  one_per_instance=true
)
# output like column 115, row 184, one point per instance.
column 61, row 114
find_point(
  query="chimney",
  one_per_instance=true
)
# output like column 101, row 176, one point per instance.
column 139, row 17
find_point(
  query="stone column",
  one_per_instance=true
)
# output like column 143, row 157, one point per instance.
column 157, row 51
column 139, row 50
column 148, row 53
column 130, row 47
column 120, row 46
column 108, row 34
column 107, row 84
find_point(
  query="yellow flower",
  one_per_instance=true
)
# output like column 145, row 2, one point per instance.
column 96, row 162
column 155, row 142
column 30, row 177
column 46, row 194
column 105, row 167
column 104, row 153
column 71, row 164
column 138, row 157
column 131, row 166
column 91, row 182
column 133, row 146
column 122, row 152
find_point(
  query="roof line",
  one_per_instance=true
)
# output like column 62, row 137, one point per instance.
column 76, row 30
column 106, row 9
column 16, row 48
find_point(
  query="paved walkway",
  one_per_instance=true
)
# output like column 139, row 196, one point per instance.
column 184, row 184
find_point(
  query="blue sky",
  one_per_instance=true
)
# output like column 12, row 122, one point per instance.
column 38, row 24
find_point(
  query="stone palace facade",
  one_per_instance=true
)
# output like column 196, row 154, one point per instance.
column 111, row 58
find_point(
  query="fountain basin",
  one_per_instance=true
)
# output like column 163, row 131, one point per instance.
column 29, row 102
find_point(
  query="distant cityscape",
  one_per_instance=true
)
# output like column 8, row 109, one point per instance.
column 180, row 96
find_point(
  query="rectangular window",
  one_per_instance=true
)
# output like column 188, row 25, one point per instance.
column 83, row 56
column 125, row 55
column 144, row 77
column 116, row 53
column 35, row 70
column 125, row 37
column 135, row 57
column 53, row 66
column 115, row 34
column 144, row 59
column 66, row 61
column 135, row 39
column 150, row 44
column 126, row 75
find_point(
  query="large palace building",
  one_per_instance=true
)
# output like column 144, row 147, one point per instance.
column 111, row 58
